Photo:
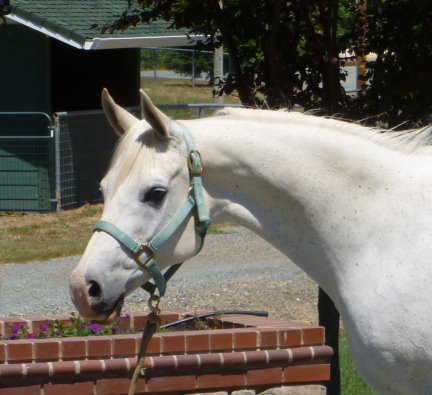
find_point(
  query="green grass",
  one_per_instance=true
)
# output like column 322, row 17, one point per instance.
column 26, row 237
column 178, row 91
column 30, row 236
column 351, row 382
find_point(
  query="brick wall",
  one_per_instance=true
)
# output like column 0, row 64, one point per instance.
column 249, row 352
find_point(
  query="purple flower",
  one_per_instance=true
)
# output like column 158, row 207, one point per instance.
column 115, row 329
column 58, row 332
column 83, row 326
column 13, row 338
column 15, row 330
column 95, row 328
column 43, row 328
column 125, row 315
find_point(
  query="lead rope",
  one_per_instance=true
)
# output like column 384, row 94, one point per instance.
column 152, row 324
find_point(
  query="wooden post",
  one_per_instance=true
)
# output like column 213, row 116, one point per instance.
column 328, row 317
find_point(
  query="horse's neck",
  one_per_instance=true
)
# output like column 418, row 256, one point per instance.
column 295, row 187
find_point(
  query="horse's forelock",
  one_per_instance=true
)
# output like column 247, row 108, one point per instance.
column 133, row 149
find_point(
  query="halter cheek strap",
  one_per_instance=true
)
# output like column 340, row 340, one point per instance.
column 195, row 200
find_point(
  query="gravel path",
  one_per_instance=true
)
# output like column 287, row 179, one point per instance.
column 235, row 270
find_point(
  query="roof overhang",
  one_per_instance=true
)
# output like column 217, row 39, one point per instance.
column 110, row 42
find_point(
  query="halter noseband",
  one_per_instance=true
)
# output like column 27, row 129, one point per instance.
column 194, row 200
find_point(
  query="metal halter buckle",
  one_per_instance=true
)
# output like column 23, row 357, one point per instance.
column 150, row 255
column 194, row 167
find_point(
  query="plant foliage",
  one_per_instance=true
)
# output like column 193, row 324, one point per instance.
column 288, row 52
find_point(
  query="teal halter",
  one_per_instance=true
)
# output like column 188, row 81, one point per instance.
column 194, row 200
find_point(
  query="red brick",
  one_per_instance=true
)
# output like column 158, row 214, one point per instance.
column 289, row 338
column 46, row 350
column 267, row 338
column 19, row 351
column 256, row 358
column 37, row 369
column 64, row 368
column 73, row 348
column 162, row 363
column 125, row 323
column 313, row 336
column 301, row 354
column 99, row 347
column 91, row 367
column 171, row 383
column 117, row 386
column 234, row 360
column 307, row 373
column 245, row 340
column 168, row 317
column 21, row 390
column 12, row 370
column 172, row 343
column 220, row 341
column 62, row 319
column 197, row 342
column 154, row 346
column 124, row 345
column 139, row 320
column 35, row 323
column 188, row 362
column 2, row 353
column 117, row 365
column 75, row 388
column 264, row 376
column 9, row 323
column 221, row 380
column 211, row 360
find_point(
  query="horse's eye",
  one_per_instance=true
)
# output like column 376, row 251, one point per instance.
column 155, row 195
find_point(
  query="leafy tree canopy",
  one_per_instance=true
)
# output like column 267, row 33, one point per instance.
column 287, row 52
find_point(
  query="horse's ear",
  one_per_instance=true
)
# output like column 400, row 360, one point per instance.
column 118, row 117
column 155, row 117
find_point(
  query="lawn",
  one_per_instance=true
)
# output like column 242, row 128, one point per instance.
column 180, row 91
column 351, row 382
column 35, row 236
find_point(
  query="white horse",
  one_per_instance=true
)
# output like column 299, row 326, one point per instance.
column 352, row 207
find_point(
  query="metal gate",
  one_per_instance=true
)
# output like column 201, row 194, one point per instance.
column 26, row 161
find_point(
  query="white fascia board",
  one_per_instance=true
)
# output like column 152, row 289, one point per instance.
column 112, row 43
column 41, row 29
column 140, row 42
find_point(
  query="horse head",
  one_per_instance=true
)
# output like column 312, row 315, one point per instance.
column 148, row 180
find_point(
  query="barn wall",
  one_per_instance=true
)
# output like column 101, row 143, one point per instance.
column 78, row 77
column 24, row 78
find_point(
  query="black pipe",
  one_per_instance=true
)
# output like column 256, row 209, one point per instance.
column 223, row 312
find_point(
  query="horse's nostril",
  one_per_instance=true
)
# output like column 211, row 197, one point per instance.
column 95, row 289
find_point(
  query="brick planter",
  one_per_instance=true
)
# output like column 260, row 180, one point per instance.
column 247, row 353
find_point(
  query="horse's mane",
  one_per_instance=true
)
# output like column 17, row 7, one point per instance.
column 411, row 141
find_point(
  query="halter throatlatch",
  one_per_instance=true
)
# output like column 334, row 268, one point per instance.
column 195, row 201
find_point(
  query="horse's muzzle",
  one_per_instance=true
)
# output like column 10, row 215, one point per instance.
column 92, row 302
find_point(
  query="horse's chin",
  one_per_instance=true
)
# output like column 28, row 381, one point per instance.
column 112, row 316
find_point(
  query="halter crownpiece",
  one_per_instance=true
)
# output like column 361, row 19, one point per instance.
column 194, row 200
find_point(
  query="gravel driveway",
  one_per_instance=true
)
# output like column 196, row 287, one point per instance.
column 235, row 270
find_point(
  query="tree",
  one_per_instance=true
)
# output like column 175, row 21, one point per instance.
column 287, row 52
column 282, row 53
column 399, row 89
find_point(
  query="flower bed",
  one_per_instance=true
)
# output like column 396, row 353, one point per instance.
column 248, row 352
